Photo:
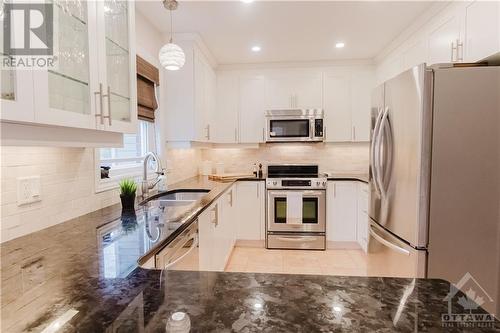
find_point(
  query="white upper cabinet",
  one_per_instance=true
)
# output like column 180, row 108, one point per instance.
column 362, row 84
column 226, row 111
column 347, row 104
column 299, row 90
column 482, row 30
column 191, row 98
column 17, row 95
column 444, row 40
column 93, row 85
column 337, row 102
column 252, row 109
column 117, row 64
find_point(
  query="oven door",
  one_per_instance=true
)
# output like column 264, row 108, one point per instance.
column 283, row 129
column 313, row 211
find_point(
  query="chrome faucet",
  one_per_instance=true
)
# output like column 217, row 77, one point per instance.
column 146, row 185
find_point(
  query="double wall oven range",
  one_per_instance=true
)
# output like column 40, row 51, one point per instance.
column 296, row 207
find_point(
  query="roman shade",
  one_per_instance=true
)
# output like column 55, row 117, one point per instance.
column 147, row 78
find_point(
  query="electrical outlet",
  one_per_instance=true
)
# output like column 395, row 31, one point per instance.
column 28, row 190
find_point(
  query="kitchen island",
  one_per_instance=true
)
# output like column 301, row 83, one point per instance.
column 73, row 277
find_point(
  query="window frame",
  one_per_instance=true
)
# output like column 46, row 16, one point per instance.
column 102, row 185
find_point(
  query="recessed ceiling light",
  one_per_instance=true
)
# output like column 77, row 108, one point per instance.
column 247, row 1
column 339, row 45
column 256, row 48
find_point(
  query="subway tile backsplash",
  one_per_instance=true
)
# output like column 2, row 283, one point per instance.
column 339, row 158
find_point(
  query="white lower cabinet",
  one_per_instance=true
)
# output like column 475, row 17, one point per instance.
column 347, row 217
column 217, row 233
column 362, row 216
column 341, row 211
column 250, row 211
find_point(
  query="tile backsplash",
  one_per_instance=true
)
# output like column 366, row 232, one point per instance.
column 339, row 158
column 67, row 188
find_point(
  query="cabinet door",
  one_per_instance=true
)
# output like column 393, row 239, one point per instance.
column 116, row 29
column 482, row 30
column 337, row 101
column 443, row 38
column 226, row 112
column 252, row 109
column 206, row 232
column 64, row 95
column 17, row 94
column 279, row 93
column 362, row 83
column 225, row 231
column 307, row 91
column 362, row 216
column 250, row 206
column 341, row 211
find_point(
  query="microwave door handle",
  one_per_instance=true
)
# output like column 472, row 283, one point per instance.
column 191, row 248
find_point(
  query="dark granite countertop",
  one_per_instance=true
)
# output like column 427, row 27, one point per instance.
column 74, row 275
column 362, row 177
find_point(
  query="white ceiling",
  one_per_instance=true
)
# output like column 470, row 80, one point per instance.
column 288, row 30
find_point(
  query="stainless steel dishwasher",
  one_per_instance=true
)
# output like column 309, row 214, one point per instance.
column 182, row 253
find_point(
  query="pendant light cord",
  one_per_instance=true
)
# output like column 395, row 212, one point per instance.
column 171, row 26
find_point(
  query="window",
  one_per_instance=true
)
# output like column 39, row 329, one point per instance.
column 114, row 164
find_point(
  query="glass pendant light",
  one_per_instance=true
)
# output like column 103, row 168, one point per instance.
column 171, row 55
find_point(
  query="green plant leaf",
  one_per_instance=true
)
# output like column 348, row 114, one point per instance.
column 127, row 187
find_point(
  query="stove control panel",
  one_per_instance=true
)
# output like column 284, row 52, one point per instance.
column 298, row 183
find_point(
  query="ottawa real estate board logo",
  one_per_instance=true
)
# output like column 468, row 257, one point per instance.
column 465, row 308
column 28, row 35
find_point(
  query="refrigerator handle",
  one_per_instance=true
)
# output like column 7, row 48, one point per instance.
column 385, row 242
column 373, row 148
column 377, row 162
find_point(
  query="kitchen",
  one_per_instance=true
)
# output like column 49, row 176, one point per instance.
column 278, row 168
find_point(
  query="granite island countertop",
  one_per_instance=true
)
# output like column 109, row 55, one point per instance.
column 74, row 275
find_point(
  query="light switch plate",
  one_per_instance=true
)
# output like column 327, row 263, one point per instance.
column 28, row 190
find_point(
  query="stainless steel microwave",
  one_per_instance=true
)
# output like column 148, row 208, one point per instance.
column 294, row 125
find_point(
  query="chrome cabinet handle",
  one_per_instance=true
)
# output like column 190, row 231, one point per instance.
column 353, row 133
column 100, row 103
column 215, row 219
column 207, row 128
column 453, row 49
column 460, row 50
column 109, row 105
column 235, row 135
column 387, row 243
column 263, row 134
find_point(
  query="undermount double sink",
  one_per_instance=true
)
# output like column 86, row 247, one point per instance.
column 176, row 198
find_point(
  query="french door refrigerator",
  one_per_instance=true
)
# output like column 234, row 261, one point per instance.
column 435, row 175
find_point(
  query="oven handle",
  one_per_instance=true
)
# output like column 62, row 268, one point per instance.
column 298, row 239
column 305, row 192
column 191, row 248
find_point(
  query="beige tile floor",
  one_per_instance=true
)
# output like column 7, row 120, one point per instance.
column 329, row 262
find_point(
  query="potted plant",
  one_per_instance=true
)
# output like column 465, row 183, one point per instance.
column 127, row 193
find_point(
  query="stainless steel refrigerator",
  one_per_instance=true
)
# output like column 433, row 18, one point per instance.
column 435, row 175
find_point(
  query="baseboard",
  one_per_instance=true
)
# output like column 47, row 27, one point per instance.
column 250, row 243
column 337, row 245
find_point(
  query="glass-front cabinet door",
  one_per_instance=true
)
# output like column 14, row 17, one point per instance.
column 117, row 52
column 67, row 94
column 16, row 87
